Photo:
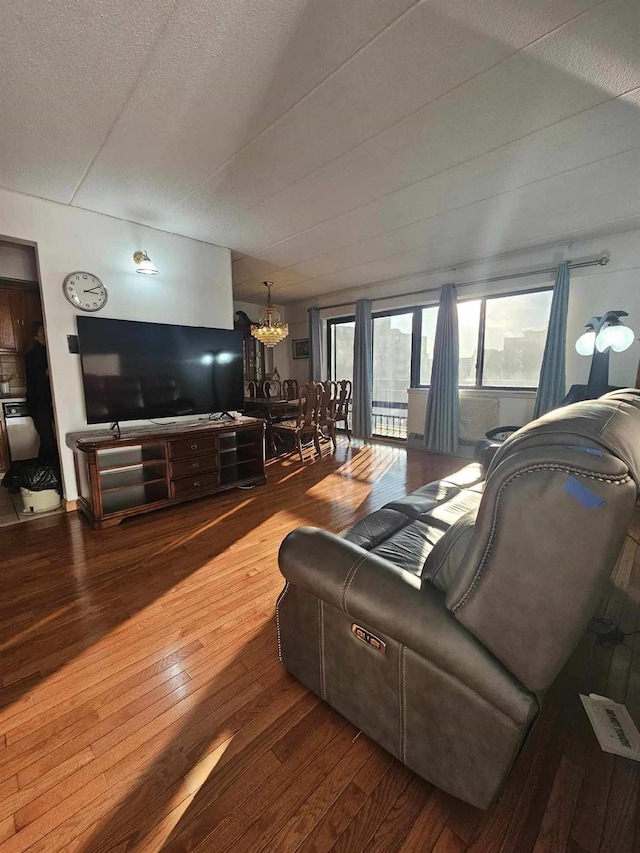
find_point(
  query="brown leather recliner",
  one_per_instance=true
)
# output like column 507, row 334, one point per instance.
column 436, row 623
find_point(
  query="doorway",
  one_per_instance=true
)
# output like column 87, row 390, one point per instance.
column 20, row 314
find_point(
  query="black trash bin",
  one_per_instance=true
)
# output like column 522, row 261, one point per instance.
column 38, row 482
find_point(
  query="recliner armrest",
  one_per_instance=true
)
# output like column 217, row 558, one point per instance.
column 388, row 600
column 326, row 565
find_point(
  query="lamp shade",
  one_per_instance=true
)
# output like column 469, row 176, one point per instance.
column 144, row 264
column 585, row 344
column 618, row 337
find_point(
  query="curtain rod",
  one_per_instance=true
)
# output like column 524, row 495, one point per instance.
column 602, row 261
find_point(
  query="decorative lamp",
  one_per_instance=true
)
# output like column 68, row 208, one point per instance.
column 270, row 329
column 144, row 264
column 603, row 334
column 586, row 343
column 616, row 336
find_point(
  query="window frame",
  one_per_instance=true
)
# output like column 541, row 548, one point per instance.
column 416, row 333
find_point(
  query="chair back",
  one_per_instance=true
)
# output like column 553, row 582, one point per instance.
column 309, row 404
column 250, row 389
column 343, row 399
column 272, row 388
column 538, row 551
column 290, row 389
column 328, row 401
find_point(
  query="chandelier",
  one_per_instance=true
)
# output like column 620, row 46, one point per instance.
column 269, row 329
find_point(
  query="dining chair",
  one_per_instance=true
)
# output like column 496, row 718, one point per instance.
column 250, row 389
column 290, row 389
column 305, row 425
column 326, row 417
column 343, row 403
column 272, row 388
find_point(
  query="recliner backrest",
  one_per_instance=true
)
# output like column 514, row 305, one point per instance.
column 557, row 504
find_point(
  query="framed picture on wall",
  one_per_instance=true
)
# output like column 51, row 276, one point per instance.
column 300, row 348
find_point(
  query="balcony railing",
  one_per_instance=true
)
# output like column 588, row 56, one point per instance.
column 389, row 419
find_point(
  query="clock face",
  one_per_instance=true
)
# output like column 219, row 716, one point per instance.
column 85, row 291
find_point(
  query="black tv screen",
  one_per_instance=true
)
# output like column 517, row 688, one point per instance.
column 134, row 370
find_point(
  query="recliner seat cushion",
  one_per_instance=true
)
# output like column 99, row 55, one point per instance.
column 410, row 547
column 406, row 531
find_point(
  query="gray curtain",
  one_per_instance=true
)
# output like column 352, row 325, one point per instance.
column 551, row 387
column 441, row 425
column 316, row 362
column 362, row 369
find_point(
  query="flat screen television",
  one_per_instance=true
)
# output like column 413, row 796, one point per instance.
column 133, row 370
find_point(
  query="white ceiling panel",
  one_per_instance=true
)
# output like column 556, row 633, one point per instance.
column 578, row 141
column 612, row 175
column 223, row 72
column 329, row 143
column 479, row 238
column 67, row 69
column 427, row 53
column 530, row 90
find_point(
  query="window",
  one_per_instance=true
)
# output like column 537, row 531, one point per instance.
column 341, row 334
column 392, row 346
column 515, row 332
column 468, row 334
column 427, row 338
column 468, row 327
column 502, row 341
column 508, row 331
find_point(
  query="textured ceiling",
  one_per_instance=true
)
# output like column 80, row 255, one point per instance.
column 329, row 143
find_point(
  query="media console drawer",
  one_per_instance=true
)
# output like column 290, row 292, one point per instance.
column 186, row 447
column 195, row 484
column 196, row 465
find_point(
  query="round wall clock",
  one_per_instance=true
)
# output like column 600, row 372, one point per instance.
column 85, row 291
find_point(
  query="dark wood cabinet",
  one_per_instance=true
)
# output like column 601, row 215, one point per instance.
column 19, row 309
column 8, row 337
column 253, row 355
column 147, row 469
column 27, row 309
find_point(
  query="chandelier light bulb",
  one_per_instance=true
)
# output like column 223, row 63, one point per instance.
column 270, row 329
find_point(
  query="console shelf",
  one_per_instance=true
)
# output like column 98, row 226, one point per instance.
column 144, row 469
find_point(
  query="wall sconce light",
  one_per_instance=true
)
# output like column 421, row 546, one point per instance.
column 144, row 264
column 603, row 334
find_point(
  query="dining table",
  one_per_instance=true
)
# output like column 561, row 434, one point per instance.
column 272, row 409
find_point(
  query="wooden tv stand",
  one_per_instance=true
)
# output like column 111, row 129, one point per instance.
column 153, row 467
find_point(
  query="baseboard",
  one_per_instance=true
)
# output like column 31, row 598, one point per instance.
column 415, row 440
column 70, row 506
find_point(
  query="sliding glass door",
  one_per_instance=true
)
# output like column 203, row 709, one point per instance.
column 392, row 358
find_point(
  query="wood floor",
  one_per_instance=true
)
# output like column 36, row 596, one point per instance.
column 143, row 708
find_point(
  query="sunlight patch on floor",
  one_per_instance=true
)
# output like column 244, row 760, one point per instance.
column 370, row 469
column 200, row 772
column 214, row 522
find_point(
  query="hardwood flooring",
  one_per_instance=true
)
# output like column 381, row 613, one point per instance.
column 143, row 708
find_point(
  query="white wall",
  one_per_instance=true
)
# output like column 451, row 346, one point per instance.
column 593, row 291
column 193, row 288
